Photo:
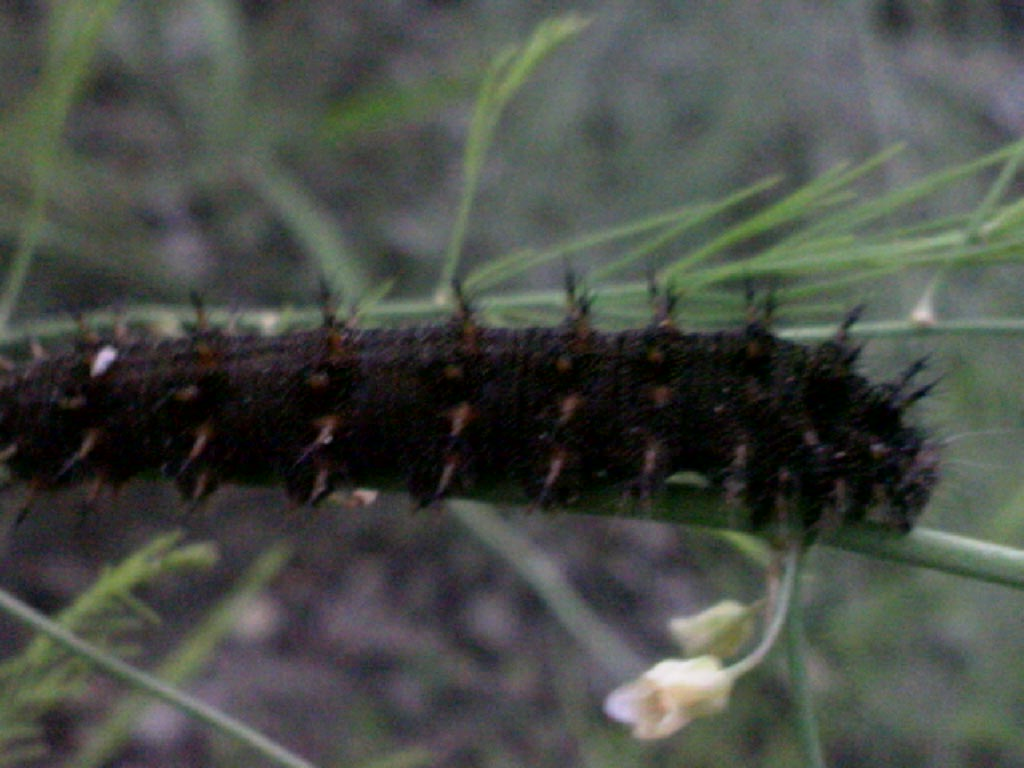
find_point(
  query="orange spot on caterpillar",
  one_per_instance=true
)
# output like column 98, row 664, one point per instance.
column 569, row 407
column 204, row 434
column 318, row 380
column 661, row 395
column 460, row 416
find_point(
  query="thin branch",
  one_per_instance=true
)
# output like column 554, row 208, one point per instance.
column 269, row 319
column 940, row 551
column 796, row 656
column 139, row 680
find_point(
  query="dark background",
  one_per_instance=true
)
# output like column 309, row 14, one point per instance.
column 390, row 632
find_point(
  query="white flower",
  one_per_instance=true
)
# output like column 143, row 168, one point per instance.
column 673, row 692
column 669, row 695
column 721, row 630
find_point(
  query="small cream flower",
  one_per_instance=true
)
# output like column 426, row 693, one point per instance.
column 721, row 630
column 673, row 692
column 669, row 695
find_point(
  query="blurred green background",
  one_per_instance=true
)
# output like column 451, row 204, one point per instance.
column 225, row 147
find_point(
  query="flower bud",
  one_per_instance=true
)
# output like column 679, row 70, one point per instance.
column 721, row 630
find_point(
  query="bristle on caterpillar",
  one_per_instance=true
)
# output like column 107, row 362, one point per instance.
column 791, row 432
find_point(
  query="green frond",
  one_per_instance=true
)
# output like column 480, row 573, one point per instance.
column 45, row 673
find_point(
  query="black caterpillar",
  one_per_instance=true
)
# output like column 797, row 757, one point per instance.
column 788, row 430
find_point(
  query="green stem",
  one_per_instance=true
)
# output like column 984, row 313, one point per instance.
column 186, row 661
column 17, row 274
column 781, row 597
column 55, row 328
column 959, row 555
column 119, row 670
column 796, row 656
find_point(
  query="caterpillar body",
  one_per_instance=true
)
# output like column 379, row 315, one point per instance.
column 785, row 429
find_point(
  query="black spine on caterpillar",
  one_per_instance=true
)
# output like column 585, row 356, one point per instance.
column 792, row 432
